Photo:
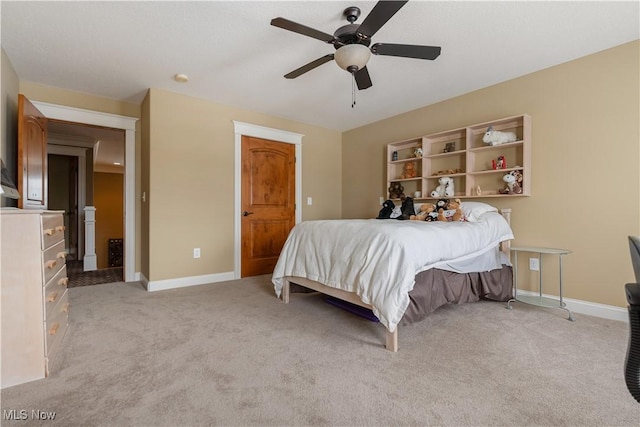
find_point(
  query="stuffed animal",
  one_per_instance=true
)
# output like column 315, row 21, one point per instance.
column 407, row 209
column 425, row 210
column 409, row 171
column 441, row 216
column 496, row 137
column 456, row 206
column 449, row 210
column 387, row 209
column 396, row 191
column 514, row 183
column 445, row 187
column 449, row 190
column 417, row 152
column 442, row 204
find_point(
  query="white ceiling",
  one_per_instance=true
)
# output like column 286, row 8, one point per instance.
column 234, row 57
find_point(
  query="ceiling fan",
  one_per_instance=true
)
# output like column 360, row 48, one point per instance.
column 352, row 42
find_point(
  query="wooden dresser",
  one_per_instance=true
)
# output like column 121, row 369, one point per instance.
column 35, row 301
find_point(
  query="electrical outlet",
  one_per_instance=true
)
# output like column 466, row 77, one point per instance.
column 534, row 264
column 196, row 252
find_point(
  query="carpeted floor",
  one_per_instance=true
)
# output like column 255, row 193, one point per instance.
column 78, row 277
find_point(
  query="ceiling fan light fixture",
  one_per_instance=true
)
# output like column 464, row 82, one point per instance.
column 352, row 57
column 181, row 78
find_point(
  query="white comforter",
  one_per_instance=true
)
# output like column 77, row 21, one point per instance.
column 378, row 259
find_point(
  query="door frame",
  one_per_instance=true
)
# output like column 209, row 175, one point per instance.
column 247, row 129
column 128, row 124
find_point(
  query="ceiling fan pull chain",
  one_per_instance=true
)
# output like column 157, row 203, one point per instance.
column 353, row 89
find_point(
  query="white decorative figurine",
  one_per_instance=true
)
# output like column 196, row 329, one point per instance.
column 496, row 137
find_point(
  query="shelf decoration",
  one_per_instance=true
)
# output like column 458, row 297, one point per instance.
column 472, row 157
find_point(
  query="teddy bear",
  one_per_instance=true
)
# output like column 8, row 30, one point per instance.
column 409, row 171
column 441, row 216
column 456, row 206
column 396, row 191
column 445, row 189
column 449, row 210
column 425, row 213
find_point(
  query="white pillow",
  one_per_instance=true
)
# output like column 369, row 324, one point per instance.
column 473, row 210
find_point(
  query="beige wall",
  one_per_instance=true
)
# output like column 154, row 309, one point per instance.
column 191, row 172
column 585, row 157
column 9, row 87
column 109, row 192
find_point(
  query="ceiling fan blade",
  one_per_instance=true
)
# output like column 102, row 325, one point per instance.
column 379, row 15
column 406, row 50
column 301, row 29
column 363, row 80
column 310, row 66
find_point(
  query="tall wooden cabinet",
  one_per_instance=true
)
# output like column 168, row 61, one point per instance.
column 34, row 298
column 462, row 155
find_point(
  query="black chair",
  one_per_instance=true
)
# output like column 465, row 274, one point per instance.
column 634, row 248
column 632, row 290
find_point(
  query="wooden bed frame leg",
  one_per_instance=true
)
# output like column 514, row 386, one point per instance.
column 285, row 291
column 392, row 340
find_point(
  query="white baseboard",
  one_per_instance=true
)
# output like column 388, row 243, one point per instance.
column 589, row 308
column 181, row 282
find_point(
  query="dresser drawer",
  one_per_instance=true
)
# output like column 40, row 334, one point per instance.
column 54, row 290
column 56, row 323
column 53, row 259
column 52, row 229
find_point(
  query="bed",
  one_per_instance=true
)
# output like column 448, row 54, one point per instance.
column 400, row 270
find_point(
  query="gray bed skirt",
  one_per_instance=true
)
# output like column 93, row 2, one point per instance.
column 435, row 288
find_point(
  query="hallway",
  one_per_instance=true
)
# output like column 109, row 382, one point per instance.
column 77, row 277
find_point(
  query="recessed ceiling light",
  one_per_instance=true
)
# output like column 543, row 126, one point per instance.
column 182, row 78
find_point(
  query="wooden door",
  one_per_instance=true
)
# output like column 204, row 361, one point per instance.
column 32, row 156
column 268, row 202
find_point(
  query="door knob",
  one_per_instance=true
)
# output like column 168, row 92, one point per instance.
column 245, row 213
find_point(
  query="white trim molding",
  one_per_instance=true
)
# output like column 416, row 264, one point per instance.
column 128, row 124
column 257, row 131
column 183, row 282
column 589, row 308
column 90, row 260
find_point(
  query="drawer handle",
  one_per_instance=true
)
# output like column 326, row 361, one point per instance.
column 65, row 309
column 51, row 264
column 49, row 231
column 60, row 228
column 64, row 281
column 54, row 329
column 62, row 255
column 53, row 297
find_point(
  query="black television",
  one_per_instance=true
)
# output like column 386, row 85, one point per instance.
column 7, row 187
